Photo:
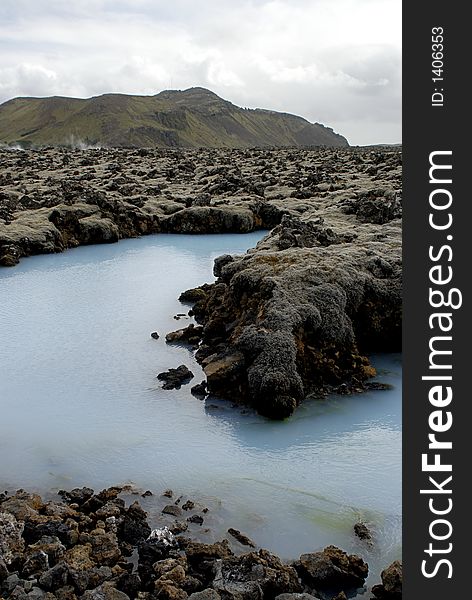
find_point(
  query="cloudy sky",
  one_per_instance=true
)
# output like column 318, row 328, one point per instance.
column 337, row 62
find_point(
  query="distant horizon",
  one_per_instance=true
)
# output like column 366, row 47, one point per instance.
column 150, row 95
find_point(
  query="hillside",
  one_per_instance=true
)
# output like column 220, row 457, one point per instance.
column 191, row 118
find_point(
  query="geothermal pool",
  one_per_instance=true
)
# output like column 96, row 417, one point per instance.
column 80, row 405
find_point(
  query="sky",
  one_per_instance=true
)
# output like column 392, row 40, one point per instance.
column 336, row 62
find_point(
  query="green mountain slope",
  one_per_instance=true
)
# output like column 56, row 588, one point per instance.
column 191, row 118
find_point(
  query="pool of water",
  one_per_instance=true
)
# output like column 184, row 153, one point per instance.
column 80, row 405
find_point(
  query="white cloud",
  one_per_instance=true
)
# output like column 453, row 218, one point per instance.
column 27, row 79
column 332, row 61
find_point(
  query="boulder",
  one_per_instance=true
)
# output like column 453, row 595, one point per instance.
column 332, row 569
column 175, row 378
column 134, row 526
column 392, row 583
column 172, row 509
column 254, row 576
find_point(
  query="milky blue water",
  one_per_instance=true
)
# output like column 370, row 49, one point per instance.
column 80, row 405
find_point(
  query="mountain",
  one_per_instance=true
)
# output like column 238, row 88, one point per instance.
column 191, row 118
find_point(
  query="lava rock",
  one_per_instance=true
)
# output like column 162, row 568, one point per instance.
column 175, row 378
column 362, row 532
column 134, row 526
column 200, row 390
column 172, row 509
column 188, row 335
column 392, row 583
column 332, row 569
column 242, row 539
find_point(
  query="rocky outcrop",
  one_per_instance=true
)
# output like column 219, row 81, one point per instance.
column 299, row 314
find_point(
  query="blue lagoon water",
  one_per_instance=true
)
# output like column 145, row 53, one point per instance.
column 80, row 405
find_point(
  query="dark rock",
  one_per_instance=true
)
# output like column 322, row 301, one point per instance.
column 197, row 519
column 332, row 570
column 63, row 532
column 66, row 592
column 191, row 584
column 197, row 552
column 37, row 562
column 11, row 582
column 189, row 335
column 200, row 390
column 178, row 527
column 188, row 505
column 49, row 545
column 155, row 335
column 254, row 575
column 89, row 578
column 110, row 493
column 392, row 583
column 172, row 509
column 36, row 593
column 112, row 508
column 363, row 532
column 175, row 378
column 375, row 206
column 160, row 545
column 193, row 295
column 3, row 570
column 130, row 584
column 134, row 526
column 77, row 495
column 54, row 578
column 242, row 539
column 168, row 494
column 18, row 593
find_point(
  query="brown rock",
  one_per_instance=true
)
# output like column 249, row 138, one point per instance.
column 332, row 569
column 242, row 539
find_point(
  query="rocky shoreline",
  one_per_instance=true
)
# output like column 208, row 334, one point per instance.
column 100, row 546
